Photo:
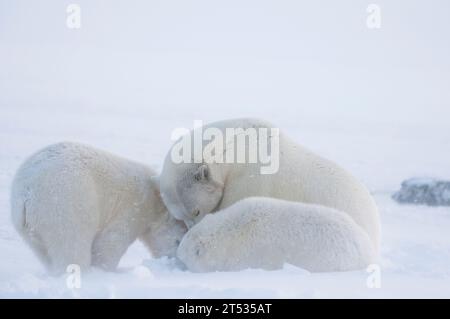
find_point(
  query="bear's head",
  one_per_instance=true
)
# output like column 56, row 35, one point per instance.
column 190, row 190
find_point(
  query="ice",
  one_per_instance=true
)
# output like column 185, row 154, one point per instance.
column 427, row 191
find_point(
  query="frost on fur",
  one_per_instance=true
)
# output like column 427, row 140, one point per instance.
column 267, row 233
column 74, row 204
column 302, row 177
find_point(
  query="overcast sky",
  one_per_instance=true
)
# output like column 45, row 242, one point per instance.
column 286, row 55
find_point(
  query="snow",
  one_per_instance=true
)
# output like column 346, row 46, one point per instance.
column 375, row 101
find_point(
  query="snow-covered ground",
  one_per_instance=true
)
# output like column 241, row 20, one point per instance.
column 375, row 101
column 416, row 240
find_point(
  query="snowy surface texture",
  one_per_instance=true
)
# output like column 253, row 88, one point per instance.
column 375, row 101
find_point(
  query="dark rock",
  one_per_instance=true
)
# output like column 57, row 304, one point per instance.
column 424, row 191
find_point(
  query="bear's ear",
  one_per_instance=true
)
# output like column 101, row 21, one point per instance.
column 202, row 173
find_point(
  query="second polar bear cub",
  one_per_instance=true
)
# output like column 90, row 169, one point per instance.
column 74, row 204
column 266, row 233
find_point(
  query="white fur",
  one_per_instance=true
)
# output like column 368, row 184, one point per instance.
column 75, row 204
column 303, row 177
column 266, row 233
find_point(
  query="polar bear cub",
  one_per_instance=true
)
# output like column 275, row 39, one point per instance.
column 74, row 204
column 265, row 233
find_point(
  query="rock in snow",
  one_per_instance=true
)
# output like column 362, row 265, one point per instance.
column 427, row 191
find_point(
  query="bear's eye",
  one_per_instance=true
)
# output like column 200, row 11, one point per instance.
column 196, row 213
column 177, row 242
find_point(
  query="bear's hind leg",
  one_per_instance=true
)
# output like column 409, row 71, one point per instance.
column 64, row 216
column 111, row 244
column 70, row 252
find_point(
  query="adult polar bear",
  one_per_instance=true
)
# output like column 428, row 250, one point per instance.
column 191, row 190
column 74, row 204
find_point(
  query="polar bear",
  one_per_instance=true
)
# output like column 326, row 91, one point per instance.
column 266, row 233
column 74, row 204
column 192, row 189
